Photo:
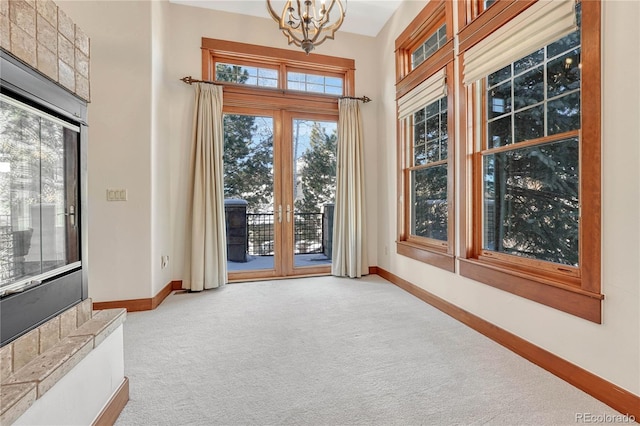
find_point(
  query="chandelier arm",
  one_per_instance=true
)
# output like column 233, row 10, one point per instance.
column 325, row 17
column 294, row 12
column 304, row 20
column 341, row 15
column 292, row 37
column 273, row 13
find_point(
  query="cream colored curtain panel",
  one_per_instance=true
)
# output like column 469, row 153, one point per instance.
column 539, row 25
column 430, row 90
column 349, row 228
column 206, row 252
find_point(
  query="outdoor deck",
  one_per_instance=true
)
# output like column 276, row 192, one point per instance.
column 266, row 262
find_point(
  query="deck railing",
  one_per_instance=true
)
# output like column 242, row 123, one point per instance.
column 308, row 229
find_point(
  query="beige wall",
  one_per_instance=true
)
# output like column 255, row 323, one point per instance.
column 160, row 149
column 119, row 146
column 610, row 350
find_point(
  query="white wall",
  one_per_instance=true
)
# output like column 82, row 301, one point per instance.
column 610, row 350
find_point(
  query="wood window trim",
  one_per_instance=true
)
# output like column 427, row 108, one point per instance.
column 214, row 50
column 577, row 295
column 264, row 54
column 432, row 16
column 475, row 25
column 431, row 256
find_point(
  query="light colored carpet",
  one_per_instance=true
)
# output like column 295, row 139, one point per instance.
column 329, row 351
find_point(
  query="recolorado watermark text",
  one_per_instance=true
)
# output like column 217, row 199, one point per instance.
column 591, row 418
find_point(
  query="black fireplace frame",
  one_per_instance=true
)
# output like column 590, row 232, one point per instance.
column 24, row 311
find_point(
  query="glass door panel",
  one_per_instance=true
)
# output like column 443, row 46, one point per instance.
column 279, row 181
column 249, row 182
column 38, row 195
column 314, row 185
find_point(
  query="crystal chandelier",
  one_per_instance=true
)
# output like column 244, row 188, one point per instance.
column 307, row 25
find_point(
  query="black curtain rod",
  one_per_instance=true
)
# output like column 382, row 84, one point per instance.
column 364, row 99
column 190, row 80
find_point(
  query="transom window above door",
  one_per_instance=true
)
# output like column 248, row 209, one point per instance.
column 249, row 75
column 242, row 67
column 305, row 82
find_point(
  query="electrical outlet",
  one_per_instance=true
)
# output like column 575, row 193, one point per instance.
column 164, row 261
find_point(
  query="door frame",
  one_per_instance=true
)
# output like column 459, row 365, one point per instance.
column 283, row 194
column 289, row 189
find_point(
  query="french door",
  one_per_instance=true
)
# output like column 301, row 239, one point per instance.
column 279, row 171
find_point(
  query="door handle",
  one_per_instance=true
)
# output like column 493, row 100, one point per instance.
column 280, row 213
column 72, row 215
column 288, row 213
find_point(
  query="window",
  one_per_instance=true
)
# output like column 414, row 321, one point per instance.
column 314, row 83
column 241, row 74
column 276, row 74
column 428, row 172
column 424, row 54
column 535, row 170
column 429, row 47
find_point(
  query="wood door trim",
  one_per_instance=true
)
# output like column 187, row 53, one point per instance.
column 291, row 269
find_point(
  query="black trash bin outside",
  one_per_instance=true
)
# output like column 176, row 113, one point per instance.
column 327, row 230
column 236, row 220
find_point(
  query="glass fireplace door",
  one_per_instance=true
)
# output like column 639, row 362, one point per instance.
column 38, row 196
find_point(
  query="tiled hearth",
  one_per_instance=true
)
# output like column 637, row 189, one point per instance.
column 32, row 364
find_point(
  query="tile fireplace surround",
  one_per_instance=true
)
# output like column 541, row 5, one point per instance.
column 34, row 365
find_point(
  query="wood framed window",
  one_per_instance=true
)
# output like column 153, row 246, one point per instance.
column 424, row 71
column 533, row 165
column 327, row 83
column 279, row 78
column 241, row 72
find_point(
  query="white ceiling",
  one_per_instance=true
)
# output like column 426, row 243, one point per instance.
column 365, row 17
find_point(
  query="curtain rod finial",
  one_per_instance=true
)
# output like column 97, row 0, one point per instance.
column 366, row 99
column 187, row 79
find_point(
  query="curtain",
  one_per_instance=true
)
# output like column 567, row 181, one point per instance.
column 349, row 229
column 206, row 251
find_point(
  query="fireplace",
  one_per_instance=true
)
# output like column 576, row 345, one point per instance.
column 43, row 137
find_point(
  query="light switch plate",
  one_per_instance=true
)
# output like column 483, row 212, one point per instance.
column 116, row 195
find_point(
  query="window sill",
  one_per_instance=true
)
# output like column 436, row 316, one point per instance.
column 565, row 298
column 440, row 259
